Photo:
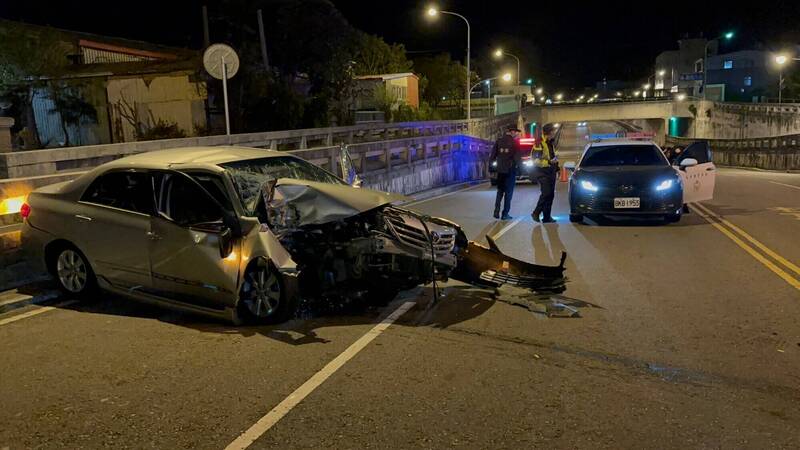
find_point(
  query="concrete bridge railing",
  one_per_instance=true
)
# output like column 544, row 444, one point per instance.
column 50, row 162
column 383, row 146
column 775, row 153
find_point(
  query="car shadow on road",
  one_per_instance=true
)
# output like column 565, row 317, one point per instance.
column 688, row 220
column 456, row 304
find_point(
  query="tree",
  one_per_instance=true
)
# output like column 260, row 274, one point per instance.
column 29, row 58
column 444, row 78
column 374, row 56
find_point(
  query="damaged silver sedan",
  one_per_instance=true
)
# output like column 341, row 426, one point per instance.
column 244, row 233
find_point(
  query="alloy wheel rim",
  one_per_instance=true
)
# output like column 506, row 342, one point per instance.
column 72, row 272
column 263, row 293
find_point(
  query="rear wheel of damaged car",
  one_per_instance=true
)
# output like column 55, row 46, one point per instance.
column 72, row 270
column 263, row 298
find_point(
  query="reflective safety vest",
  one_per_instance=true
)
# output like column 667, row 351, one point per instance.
column 544, row 154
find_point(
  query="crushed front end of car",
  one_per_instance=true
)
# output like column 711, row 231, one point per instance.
column 354, row 244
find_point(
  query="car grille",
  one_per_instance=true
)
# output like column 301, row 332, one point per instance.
column 410, row 231
column 604, row 200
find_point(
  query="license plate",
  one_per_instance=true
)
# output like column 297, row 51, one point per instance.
column 626, row 202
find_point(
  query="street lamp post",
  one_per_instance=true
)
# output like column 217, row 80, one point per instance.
column 433, row 12
column 727, row 36
column 781, row 60
column 488, row 81
column 499, row 53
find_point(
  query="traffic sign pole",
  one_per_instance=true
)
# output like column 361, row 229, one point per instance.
column 225, row 96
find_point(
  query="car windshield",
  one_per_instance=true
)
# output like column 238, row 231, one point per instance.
column 623, row 155
column 249, row 175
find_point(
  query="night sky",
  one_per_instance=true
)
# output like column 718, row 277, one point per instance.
column 569, row 44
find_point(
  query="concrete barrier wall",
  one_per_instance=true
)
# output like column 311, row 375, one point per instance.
column 745, row 120
column 777, row 153
column 46, row 162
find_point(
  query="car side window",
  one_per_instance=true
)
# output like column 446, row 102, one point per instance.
column 184, row 202
column 696, row 150
column 131, row 191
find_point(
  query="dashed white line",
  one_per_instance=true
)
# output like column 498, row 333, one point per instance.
column 283, row 408
column 787, row 185
column 505, row 229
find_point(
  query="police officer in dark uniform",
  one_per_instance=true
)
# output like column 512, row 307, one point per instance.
column 506, row 156
column 545, row 171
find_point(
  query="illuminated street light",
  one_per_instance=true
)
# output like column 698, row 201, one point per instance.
column 539, row 91
column 559, row 96
column 680, row 97
column 499, row 54
column 662, row 72
column 727, row 36
column 542, row 98
column 506, row 77
column 637, row 93
column 433, row 12
column 781, row 61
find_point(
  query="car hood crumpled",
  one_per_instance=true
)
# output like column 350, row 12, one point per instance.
column 317, row 203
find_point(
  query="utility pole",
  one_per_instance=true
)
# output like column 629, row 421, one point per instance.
column 206, row 39
column 263, row 41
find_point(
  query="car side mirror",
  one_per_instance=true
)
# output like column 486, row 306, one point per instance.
column 688, row 162
column 225, row 238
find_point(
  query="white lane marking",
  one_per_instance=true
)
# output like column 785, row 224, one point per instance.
column 506, row 228
column 418, row 202
column 265, row 423
column 39, row 310
column 787, row 185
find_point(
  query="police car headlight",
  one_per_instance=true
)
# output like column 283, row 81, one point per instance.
column 528, row 163
column 664, row 185
column 494, row 163
column 588, row 186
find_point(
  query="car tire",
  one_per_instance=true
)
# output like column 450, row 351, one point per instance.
column 576, row 218
column 263, row 298
column 72, row 272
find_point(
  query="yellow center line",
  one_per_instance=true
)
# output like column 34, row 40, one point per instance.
column 788, row 264
column 758, row 256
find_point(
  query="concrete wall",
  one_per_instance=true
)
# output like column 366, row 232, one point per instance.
column 5, row 133
column 745, row 120
column 778, row 153
column 172, row 98
column 607, row 111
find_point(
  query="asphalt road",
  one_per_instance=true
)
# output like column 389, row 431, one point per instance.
column 688, row 337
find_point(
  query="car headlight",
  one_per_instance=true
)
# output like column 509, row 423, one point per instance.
column 494, row 163
column 664, row 185
column 528, row 163
column 588, row 186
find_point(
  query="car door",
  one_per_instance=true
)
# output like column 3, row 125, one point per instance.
column 698, row 180
column 112, row 224
column 187, row 232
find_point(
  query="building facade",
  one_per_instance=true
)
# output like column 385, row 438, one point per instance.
column 743, row 76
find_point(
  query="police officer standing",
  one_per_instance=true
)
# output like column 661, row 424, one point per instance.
column 506, row 157
column 546, row 168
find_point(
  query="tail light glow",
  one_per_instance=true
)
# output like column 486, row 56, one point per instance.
column 25, row 210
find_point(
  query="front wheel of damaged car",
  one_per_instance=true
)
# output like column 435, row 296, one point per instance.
column 263, row 298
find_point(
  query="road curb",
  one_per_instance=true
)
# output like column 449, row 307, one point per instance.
column 430, row 193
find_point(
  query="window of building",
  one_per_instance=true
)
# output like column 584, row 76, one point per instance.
column 748, row 80
column 727, row 64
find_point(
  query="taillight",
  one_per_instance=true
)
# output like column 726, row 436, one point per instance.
column 25, row 210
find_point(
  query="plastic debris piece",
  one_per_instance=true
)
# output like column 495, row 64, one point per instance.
column 556, row 309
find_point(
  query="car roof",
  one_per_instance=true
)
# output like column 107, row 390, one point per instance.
column 618, row 142
column 192, row 156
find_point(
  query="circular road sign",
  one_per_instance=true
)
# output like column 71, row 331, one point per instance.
column 215, row 55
